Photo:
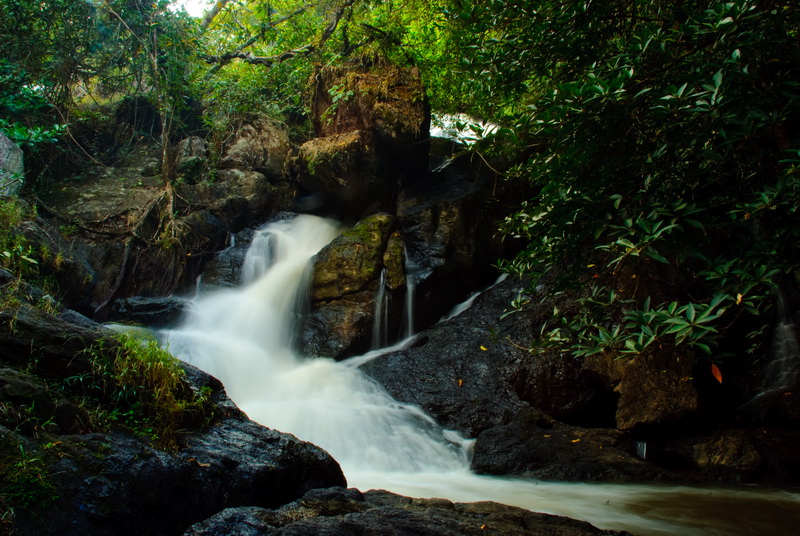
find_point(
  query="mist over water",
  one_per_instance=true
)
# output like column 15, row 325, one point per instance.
column 245, row 336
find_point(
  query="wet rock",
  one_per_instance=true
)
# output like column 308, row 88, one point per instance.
column 12, row 168
column 474, row 371
column 342, row 512
column 344, row 286
column 654, row 387
column 447, row 221
column 536, row 446
column 115, row 482
column 148, row 311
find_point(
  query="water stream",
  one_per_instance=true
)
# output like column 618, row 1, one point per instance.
column 244, row 337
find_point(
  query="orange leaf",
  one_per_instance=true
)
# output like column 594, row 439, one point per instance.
column 460, row 383
column 716, row 372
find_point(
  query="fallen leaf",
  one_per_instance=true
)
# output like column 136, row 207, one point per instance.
column 716, row 372
column 460, row 382
column 483, row 348
column 738, row 299
column 575, row 440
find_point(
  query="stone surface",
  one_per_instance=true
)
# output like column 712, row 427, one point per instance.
column 340, row 512
column 371, row 121
column 654, row 387
column 12, row 168
column 258, row 145
column 344, row 286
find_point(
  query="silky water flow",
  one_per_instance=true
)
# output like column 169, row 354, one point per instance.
column 244, row 337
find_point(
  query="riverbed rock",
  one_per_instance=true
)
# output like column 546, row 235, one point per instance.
column 347, row 512
column 12, row 168
column 345, row 284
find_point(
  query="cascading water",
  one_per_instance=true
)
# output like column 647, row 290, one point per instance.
column 380, row 327
column 244, row 337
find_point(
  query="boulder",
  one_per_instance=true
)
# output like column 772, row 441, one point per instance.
column 151, row 312
column 190, row 158
column 343, row 168
column 536, row 446
column 345, row 285
column 655, row 388
column 347, row 512
column 258, row 145
column 12, row 168
column 371, row 121
column 68, row 470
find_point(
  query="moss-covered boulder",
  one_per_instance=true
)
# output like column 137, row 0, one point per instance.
column 372, row 123
column 359, row 268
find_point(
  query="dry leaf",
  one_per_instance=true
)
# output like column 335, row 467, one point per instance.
column 716, row 372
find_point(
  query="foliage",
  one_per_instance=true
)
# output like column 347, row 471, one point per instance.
column 668, row 156
column 135, row 383
column 17, row 255
column 25, row 482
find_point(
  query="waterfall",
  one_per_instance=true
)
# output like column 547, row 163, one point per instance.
column 245, row 336
column 783, row 370
column 380, row 324
column 413, row 275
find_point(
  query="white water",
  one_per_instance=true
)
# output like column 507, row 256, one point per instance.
column 244, row 337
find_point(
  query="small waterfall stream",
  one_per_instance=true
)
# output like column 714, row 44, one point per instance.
column 244, row 337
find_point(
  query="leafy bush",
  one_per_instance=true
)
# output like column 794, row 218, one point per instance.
column 666, row 166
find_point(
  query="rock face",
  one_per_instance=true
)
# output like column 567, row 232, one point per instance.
column 447, row 222
column 347, row 512
column 345, row 286
column 11, row 166
column 372, row 122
